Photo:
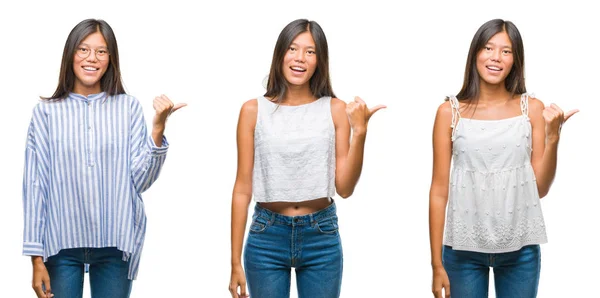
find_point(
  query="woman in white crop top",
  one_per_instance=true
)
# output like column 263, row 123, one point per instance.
column 503, row 146
column 294, row 154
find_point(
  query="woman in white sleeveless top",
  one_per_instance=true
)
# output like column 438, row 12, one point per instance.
column 503, row 144
column 294, row 154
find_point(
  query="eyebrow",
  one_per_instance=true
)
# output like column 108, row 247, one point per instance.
column 87, row 45
column 295, row 44
column 504, row 47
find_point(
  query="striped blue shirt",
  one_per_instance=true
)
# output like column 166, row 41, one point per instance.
column 87, row 161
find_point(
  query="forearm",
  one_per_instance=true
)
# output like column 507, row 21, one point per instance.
column 157, row 134
column 239, row 216
column 547, row 168
column 352, row 168
column 437, row 209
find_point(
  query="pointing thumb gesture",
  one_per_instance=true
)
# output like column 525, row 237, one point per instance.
column 359, row 114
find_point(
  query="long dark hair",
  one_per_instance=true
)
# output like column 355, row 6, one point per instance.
column 515, row 81
column 110, row 81
column 320, row 83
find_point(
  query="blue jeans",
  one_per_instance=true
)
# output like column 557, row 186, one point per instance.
column 309, row 243
column 516, row 274
column 108, row 273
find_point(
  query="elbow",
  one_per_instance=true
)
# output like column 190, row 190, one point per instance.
column 542, row 192
column 345, row 193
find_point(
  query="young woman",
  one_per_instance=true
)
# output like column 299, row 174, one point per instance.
column 294, row 154
column 88, row 159
column 503, row 145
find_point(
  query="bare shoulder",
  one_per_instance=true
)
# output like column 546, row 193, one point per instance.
column 338, row 105
column 248, row 114
column 444, row 110
column 536, row 106
column 250, row 106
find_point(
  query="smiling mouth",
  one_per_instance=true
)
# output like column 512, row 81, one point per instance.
column 89, row 68
column 494, row 68
column 298, row 69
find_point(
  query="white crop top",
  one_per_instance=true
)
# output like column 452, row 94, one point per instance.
column 494, row 205
column 294, row 152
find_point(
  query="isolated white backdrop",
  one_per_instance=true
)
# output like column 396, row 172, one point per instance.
column 214, row 56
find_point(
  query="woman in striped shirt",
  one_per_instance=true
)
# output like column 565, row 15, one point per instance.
column 88, row 159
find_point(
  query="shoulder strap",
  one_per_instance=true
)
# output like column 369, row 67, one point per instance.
column 525, row 103
column 455, row 113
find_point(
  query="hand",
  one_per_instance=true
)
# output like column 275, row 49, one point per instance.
column 359, row 114
column 238, row 279
column 440, row 280
column 555, row 117
column 164, row 107
column 41, row 279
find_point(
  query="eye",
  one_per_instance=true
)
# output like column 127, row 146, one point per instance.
column 507, row 52
column 488, row 48
column 293, row 49
column 311, row 52
column 102, row 52
column 83, row 50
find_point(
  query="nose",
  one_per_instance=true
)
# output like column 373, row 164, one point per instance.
column 299, row 56
column 496, row 55
column 92, row 56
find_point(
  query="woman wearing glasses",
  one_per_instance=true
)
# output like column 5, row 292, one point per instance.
column 88, row 159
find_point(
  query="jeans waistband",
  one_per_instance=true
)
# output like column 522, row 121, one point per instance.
column 307, row 219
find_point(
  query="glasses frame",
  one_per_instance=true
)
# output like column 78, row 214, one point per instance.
column 84, row 56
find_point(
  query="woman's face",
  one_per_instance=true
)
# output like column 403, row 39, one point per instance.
column 90, row 62
column 300, row 61
column 495, row 60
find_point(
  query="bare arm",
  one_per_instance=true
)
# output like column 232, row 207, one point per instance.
column 349, row 152
column 242, row 194
column 545, row 126
column 438, row 195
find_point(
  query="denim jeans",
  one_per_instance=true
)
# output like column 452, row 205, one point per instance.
column 516, row 274
column 108, row 273
column 309, row 243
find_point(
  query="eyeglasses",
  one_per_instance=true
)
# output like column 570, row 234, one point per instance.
column 84, row 52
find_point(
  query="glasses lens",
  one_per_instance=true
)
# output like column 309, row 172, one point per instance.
column 102, row 54
column 83, row 52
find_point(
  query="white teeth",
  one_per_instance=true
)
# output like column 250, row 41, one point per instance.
column 90, row 68
column 494, row 68
column 298, row 69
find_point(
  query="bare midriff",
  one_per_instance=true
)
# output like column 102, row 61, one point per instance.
column 298, row 208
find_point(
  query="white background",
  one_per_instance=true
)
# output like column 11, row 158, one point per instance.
column 215, row 56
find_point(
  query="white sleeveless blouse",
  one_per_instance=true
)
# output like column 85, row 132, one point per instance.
column 294, row 152
column 494, row 205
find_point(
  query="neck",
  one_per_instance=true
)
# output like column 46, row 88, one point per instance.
column 298, row 95
column 86, row 90
column 492, row 92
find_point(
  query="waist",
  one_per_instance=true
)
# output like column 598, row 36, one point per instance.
column 305, row 211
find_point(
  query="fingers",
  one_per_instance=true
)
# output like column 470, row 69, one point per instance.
column 243, row 293
column 569, row 114
column 233, row 291
column 46, row 280
column 359, row 100
column 447, row 290
column 162, row 103
column 375, row 109
column 178, row 106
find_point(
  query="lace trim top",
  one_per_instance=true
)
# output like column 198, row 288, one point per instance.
column 494, row 205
